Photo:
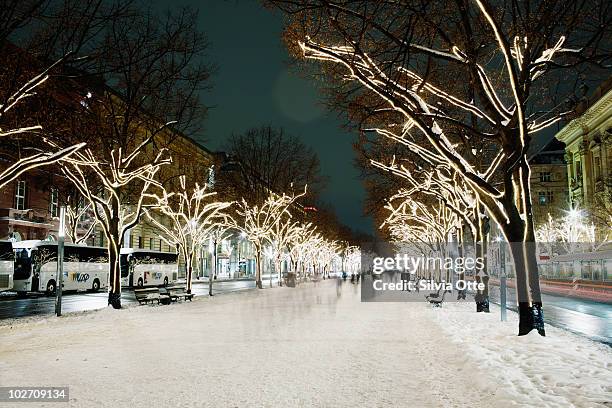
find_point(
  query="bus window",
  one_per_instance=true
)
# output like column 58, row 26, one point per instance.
column 6, row 251
column 44, row 254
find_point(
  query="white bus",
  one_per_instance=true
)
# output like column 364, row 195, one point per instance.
column 143, row 267
column 85, row 268
column 6, row 265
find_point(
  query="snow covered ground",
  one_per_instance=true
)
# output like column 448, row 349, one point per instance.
column 302, row 347
column 560, row 370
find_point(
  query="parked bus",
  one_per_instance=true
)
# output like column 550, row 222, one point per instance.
column 143, row 267
column 85, row 268
column 6, row 265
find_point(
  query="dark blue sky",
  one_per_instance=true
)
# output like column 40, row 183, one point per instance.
column 253, row 87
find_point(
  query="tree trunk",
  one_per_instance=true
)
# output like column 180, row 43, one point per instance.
column 188, row 269
column 280, row 278
column 258, row 281
column 525, row 265
column 114, row 249
column 114, row 277
column 213, row 270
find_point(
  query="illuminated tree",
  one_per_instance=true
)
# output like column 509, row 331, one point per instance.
column 573, row 232
column 43, row 157
column 281, row 234
column 192, row 217
column 503, row 60
column 297, row 247
column 74, row 217
column 258, row 221
column 114, row 211
column 352, row 259
column 217, row 234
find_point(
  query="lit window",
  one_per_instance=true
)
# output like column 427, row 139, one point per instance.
column 545, row 177
column 597, row 168
column 545, row 197
column 20, row 192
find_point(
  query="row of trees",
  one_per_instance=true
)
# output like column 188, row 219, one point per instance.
column 108, row 112
column 459, row 89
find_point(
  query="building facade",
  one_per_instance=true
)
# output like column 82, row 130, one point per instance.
column 588, row 153
column 549, row 187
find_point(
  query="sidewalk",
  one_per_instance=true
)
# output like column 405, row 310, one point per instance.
column 308, row 346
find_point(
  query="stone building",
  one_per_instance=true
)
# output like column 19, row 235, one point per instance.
column 588, row 153
column 549, row 189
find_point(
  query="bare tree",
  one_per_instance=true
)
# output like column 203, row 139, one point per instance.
column 153, row 70
column 113, row 213
column 75, row 216
column 192, row 217
column 509, row 55
column 43, row 157
column 281, row 234
column 272, row 160
column 258, row 221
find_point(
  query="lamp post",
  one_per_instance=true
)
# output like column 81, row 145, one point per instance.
column 212, row 247
column 502, row 278
column 240, row 241
column 60, row 262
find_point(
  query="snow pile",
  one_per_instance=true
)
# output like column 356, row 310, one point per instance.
column 560, row 370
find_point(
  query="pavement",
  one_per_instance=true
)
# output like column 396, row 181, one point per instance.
column 310, row 346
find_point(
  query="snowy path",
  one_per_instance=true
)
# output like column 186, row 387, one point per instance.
column 277, row 348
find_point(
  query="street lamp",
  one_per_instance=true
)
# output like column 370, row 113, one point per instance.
column 60, row 261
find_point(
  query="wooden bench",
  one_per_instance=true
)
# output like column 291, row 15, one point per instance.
column 434, row 295
column 150, row 295
column 177, row 292
column 438, row 302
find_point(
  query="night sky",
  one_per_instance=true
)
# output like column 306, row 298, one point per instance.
column 253, row 86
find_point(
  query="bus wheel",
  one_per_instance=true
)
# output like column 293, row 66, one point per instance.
column 96, row 285
column 140, row 283
column 166, row 281
column 51, row 287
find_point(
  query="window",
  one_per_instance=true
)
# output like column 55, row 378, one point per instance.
column 597, row 168
column 20, row 192
column 578, row 171
column 140, row 243
column 545, row 197
column 545, row 177
column 151, row 243
column 54, row 202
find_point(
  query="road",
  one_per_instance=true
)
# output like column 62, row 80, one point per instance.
column 583, row 317
column 11, row 307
